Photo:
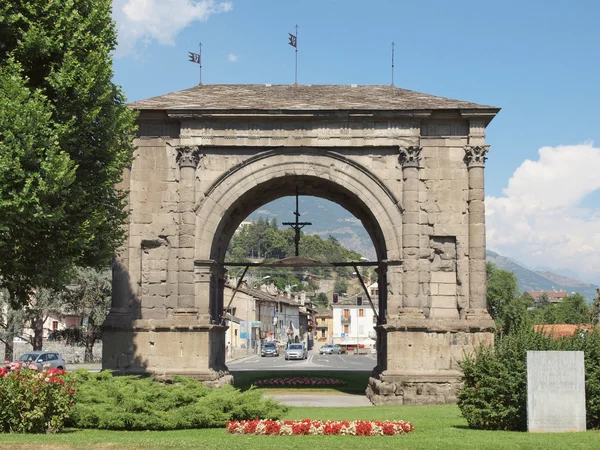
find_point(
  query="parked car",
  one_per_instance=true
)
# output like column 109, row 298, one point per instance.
column 330, row 349
column 49, row 359
column 296, row 351
column 270, row 349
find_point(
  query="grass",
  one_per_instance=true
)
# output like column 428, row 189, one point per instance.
column 356, row 382
column 436, row 427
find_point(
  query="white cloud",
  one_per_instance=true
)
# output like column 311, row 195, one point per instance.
column 159, row 20
column 233, row 58
column 540, row 220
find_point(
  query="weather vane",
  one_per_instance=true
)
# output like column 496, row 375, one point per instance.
column 293, row 41
column 297, row 225
column 393, row 45
column 197, row 58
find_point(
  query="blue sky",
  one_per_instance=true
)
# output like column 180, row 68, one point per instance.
column 538, row 60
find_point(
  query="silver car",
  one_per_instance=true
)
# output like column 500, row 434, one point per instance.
column 43, row 359
column 330, row 349
column 296, row 351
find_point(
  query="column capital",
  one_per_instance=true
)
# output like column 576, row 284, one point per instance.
column 476, row 155
column 188, row 156
column 410, row 156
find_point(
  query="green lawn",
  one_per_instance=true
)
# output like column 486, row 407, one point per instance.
column 436, row 427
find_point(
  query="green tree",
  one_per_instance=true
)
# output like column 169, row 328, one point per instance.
column 321, row 300
column 44, row 303
column 65, row 136
column 12, row 322
column 89, row 296
column 340, row 286
column 595, row 309
column 573, row 309
column 502, row 288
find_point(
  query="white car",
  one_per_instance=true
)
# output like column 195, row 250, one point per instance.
column 296, row 351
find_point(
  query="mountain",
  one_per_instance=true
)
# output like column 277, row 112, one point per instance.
column 546, row 280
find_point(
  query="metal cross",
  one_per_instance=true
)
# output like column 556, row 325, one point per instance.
column 297, row 226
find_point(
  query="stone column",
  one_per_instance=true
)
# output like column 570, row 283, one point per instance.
column 122, row 292
column 188, row 158
column 475, row 156
column 410, row 157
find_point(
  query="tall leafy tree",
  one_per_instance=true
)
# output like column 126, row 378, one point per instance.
column 502, row 288
column 45, row 302
column 89, row 296
column 12, row 322
column 64, row 150
column 595, row 309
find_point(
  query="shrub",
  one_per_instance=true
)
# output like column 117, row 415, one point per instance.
column 133, row 403
column 33, row 400
column 494, row 393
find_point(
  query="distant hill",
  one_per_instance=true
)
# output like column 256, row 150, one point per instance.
column 530, row 280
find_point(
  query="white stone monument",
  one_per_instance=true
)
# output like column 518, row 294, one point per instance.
column 555, row 392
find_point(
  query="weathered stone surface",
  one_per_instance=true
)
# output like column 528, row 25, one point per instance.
column 208, row 156
column 555, row 391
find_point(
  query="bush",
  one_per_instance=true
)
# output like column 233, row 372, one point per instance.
column 33, row 400
column 133, row 403
column 494, row 393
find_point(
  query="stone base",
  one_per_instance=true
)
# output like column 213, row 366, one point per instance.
column 420, row 364
column 441, row 391
column 164, row 348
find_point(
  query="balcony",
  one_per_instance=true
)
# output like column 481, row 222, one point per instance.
column 346, row 320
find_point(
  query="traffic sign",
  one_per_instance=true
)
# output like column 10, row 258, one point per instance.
column 343, row 334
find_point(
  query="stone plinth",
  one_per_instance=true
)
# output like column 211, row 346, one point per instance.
column 423, row 361
column 555, row 392
column 166, row 348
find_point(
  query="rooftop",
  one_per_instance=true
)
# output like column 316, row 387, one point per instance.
column 297, row 98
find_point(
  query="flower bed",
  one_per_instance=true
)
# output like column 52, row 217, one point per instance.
column 300, row 381
column 319, row 427
column 33, row 400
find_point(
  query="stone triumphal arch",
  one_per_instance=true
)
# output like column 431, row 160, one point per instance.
column 410, row 166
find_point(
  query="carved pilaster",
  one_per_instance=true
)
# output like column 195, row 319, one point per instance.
column 188, row 156
column 475, row 157
column 410, row 156
column 410, row 303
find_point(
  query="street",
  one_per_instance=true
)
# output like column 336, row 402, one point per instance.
column 314, row 362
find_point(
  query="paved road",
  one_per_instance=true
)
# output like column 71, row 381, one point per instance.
column 314, row 362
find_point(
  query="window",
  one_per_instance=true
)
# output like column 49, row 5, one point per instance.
column 346, row 313
column 361, row 313
column 323, row 332
column 235, row 333
column 346, row 329
column 361, row 329
column 52, row 356
column 55, row 324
